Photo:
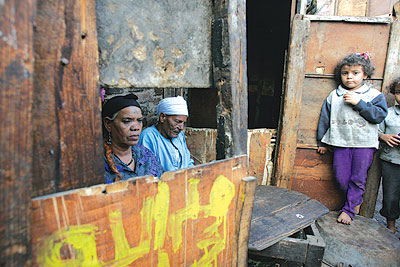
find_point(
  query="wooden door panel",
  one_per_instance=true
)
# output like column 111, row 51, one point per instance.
column 330, row 41
column 299, row 166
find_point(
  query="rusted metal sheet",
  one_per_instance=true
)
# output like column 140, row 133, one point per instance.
column 332, row 41
column 192, row 217
column 155, row 43
column 67, row 131
column 16, row 93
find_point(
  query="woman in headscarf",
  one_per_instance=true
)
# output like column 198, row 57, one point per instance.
column 124, row 157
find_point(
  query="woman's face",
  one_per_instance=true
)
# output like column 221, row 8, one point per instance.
column 126, row 127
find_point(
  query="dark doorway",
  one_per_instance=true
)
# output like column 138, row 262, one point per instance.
column 268, row 28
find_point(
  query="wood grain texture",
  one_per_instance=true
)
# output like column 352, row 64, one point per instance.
column 293, row 91
column 297, row 250
column 201, row 143
column 380, row 7
column 352, row 8
column 392, row 67
column 278, row 213
column 259, row 151
column 16, row 79
column 247, row 189
column 313, row 176
column 66, row 112
column 325, row 49
column 230, row 76
column 187, row 218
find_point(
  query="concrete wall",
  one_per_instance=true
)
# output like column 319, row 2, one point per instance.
column 154, row 44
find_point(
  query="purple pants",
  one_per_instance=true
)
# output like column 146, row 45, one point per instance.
column 351, row 166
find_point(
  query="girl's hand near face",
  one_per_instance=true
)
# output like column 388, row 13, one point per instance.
column 353, row 99
column 390, row 139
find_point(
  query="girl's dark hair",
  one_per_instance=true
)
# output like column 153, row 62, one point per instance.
column 354, row 60
column 392, row 86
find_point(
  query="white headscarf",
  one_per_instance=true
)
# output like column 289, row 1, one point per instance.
column 173, row 106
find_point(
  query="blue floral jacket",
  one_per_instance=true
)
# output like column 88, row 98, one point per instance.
column 146, row 163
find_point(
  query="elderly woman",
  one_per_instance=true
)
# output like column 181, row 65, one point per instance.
column 124, row 157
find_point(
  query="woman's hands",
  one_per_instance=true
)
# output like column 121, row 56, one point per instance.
column 390, row 139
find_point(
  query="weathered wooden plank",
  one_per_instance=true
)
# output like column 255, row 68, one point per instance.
column 247, row 189
column 290, row 249
column 16, row 80
column 287, row 136
column 307, row 251
column 352, row 7
column 259, row 151
column 315, row 249
column 230, row 76
column 270, row 199
column 201, row 143
column 313, row 176
column 324, row 50
column 278, row 213
column 66, row 118
column 386, row 20
column 380, row 7
column 264, row 233
column 392, row 67
column 187, row 218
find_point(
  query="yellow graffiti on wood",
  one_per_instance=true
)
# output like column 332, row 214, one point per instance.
column 76, row 245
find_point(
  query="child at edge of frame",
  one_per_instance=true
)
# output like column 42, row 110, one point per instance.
column 389, row 134
column 348, row 125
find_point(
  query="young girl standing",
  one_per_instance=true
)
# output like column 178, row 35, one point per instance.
column 349, row 124
column 389, row 133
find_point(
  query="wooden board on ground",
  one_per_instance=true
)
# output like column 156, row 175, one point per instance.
column 191, row 217
column 278, row 213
